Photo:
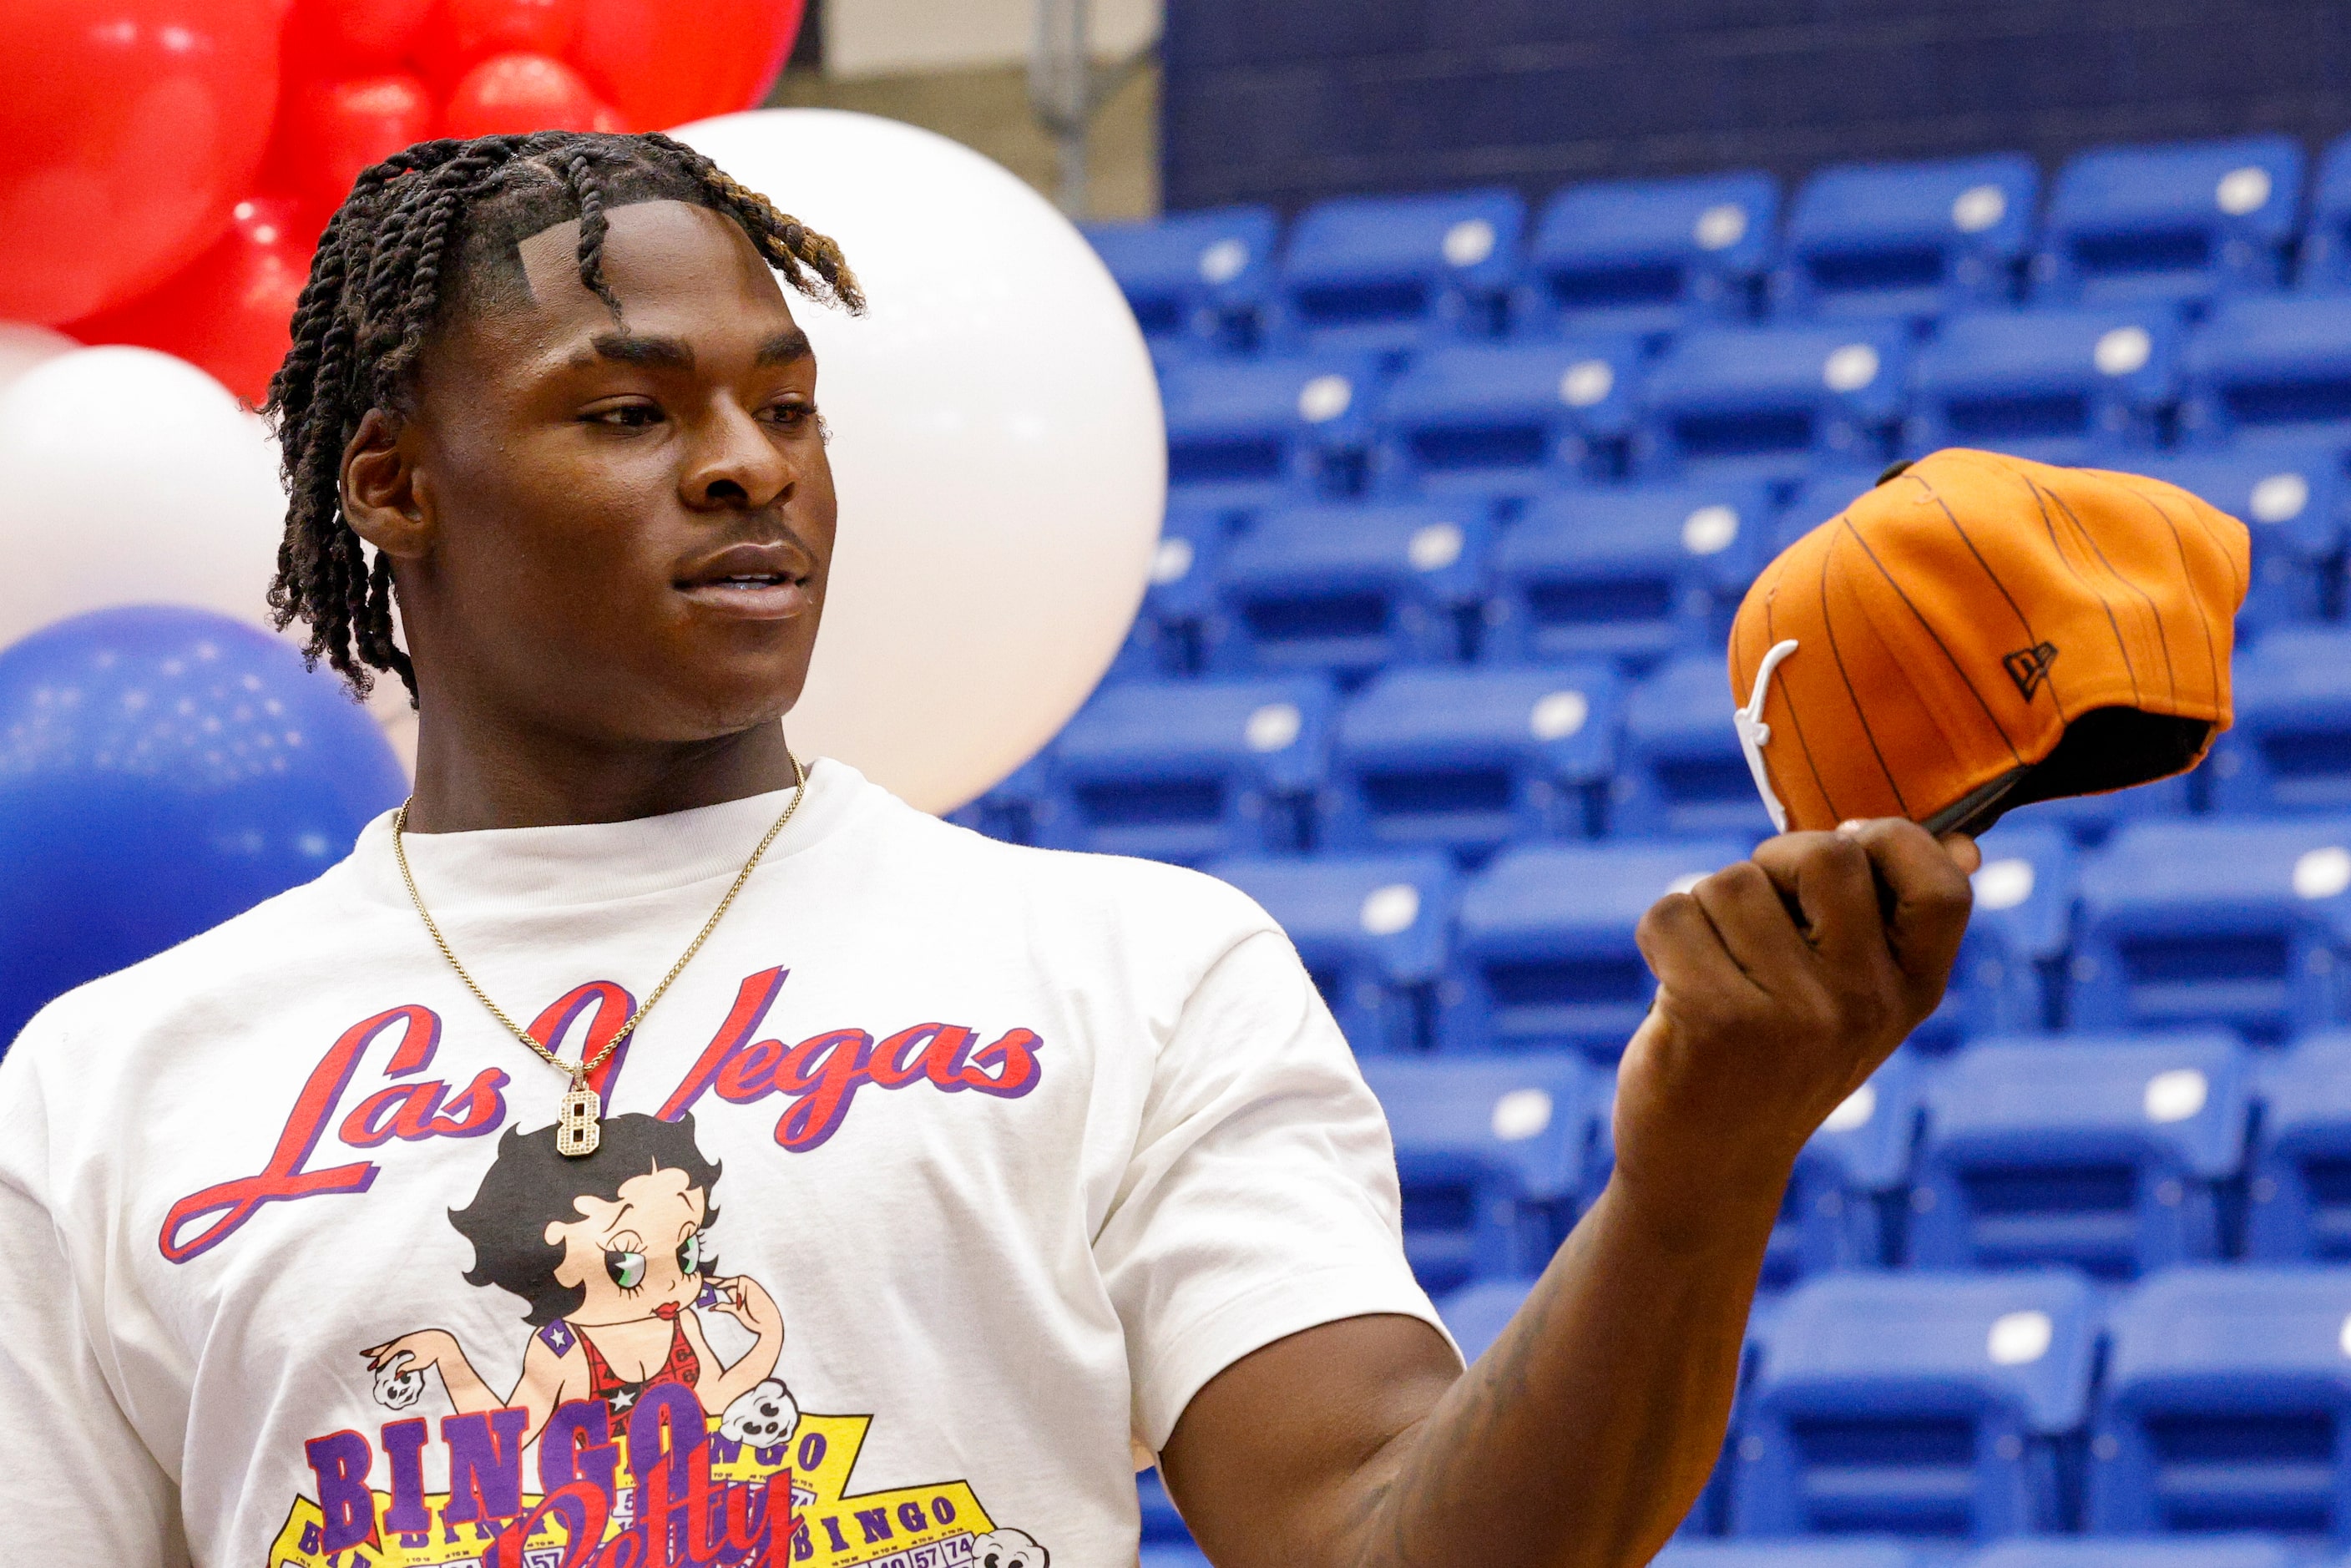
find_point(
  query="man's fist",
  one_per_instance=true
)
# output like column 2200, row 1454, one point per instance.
column 1782, row 982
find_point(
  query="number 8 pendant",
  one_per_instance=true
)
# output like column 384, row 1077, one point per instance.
column 576, row 1133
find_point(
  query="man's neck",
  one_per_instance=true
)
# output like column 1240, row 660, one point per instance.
column 471, row 777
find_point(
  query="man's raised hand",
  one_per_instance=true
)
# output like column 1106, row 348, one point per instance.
column 1783, row 981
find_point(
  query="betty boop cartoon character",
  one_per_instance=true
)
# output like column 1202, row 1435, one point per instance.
column 611, row 1254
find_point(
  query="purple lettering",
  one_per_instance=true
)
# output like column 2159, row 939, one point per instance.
column 485, row 1465
column 341, row 1461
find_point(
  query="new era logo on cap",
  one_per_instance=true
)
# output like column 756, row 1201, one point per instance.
column 1863, row 661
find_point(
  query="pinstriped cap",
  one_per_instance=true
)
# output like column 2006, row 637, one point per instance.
column 1979, row 633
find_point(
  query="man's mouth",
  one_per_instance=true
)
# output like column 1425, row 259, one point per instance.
column 762, row 583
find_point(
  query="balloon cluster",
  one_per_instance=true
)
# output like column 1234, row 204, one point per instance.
column 171, row 161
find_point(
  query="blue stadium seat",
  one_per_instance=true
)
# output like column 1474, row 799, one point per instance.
column 2326, row 267
column 1168, row 1554
column 1189, row 770
column 1682, row 770
column 2017, row 940
column 1349, row 588
column 1633, row 574
column 1374, row 930
column 1244, row 433
column 2244, row 925
column 1164, row 1530
column 1768, row 402
column 1824, row 494
column 1469, row 760
column 1834, row 1214
column 2177, row 224
column 1649, row 256
column 1182, row 592
column 2092, row 818
column 2270, row 370
column 1490, row 1155
column 1386, row 274
column 2292, row 500
column 1915, row 1404
column 2125, row 1552
column 1907, row 240
column 2226, row 1394
column 1817, row 1552
column 1544, row 943
column 2301, row 1191
column 2104, row 1153
column 1192, row 279
column 1489, row 418
column 1012, row 811
column 2291, row 748
column 2057, row 386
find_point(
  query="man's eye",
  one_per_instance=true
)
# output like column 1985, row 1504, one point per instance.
column 791, row 414
column 689, row 1254
column 627, row 1269
column 628, row 415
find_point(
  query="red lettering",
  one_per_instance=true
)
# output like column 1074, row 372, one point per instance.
column 612, row 1005
column 824, row 1070
column 400, row 1109
column 943, row 1063
column 750, row 1073
column 1015, row 1055
column 478, row 1109
column 896, row 1062
column 231, row 1203
column 752, row 999
column 583, row 1535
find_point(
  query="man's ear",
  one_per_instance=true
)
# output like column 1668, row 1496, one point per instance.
column 380, row 496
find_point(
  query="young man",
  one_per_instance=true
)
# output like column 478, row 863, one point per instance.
column 1034, row 1164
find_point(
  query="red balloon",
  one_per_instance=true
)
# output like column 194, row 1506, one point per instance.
column 343, row 37
column 664, row 62
column 477, row 30
column 509, row 94
column 330, row 130
column 229, row 314
column 132, row 128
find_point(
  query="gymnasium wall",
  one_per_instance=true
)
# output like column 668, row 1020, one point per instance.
column 1314, row 98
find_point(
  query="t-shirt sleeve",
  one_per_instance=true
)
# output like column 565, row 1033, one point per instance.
column 1262, row 1197
column 78, row 1479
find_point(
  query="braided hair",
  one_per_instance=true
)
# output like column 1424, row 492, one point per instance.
column 422, row 234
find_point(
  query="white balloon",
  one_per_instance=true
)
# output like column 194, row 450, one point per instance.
column 130, row 478
column 997, row 444
column 24, row 345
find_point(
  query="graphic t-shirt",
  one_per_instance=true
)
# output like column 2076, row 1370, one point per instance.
column 940, row 1181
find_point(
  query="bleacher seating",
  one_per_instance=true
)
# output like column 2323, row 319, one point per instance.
column 2104, row 1153
column 2178, row 223
column 1649, row 257
column 1490, row 1154
column 1258, row 432
column 2226, row 1394
column 2021, row 929
column 2058, row 386
column 1768, row 402
column 1194, row 279
column 1469, row 760
column 2291, row 499
column 1681, row 770
column 1492, row 419
column 1188, row 771
column 1548, row 701
column 1632, row 574
column 1835, row 1211
column 2265, row 370
column 2243, row 924
column 1915, row 1404
column 1387, row 274
column 2289, row 750
column 1912, row 241
column 2300, row 1197
column 1372, row 930
column 1546, row 949
column 1349, row 589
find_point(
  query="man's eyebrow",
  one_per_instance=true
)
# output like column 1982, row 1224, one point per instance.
column 783, row 348
column 665, row 353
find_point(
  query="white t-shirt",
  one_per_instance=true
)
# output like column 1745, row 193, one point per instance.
column 1000, row 1155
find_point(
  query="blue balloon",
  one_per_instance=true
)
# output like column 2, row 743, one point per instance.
column 161, row 769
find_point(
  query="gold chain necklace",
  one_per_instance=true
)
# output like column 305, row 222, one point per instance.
column 576, row 1132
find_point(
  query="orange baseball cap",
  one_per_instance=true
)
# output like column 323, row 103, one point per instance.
column 1979, row 633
